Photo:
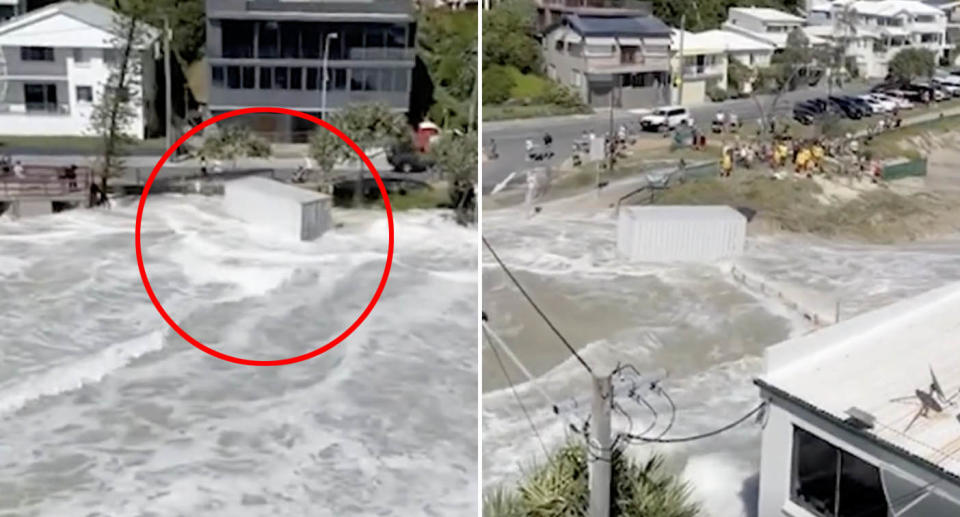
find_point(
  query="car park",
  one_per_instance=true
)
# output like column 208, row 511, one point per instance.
column 880, row 103
column 864, row 106
column 847, row 108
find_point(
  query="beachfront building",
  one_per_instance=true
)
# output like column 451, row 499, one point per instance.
column 873, row 31
column 763, row 24
column 863, row 416
column 10, row 8
column 54, row 66
column 704, row 66
column 550, row 12
column 272, row 52
column 619, row 60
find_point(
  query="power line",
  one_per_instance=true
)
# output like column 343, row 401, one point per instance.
column 701, row 436
column 535, row 306
column 503, row 368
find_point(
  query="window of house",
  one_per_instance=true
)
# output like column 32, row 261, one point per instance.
column 80, row 57
column 577, row 78
column 310, row 40
column 236, row 38
column 84, row 94
column 559, row 46
column 40, row 97
column 249, row 77
column 268, row 39
column 110, row 55
column 217, row 75
column 36, row 53
column 400, row 81
column 266, row 78
column 831, row 482
column 296, row 78
column 313, row 82
column 290, row 39
column 233, row 77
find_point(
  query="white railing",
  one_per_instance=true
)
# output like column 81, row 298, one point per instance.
column 62, row 108
column 698, row 70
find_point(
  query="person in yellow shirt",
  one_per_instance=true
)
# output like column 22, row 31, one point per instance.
column 727, row 165
column 783, row 152
column 818, row 156
column 803, row 157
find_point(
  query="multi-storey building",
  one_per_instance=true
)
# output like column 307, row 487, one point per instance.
column 626, row 57
column 54, row 65
column 873, row 31
column 272, row 53
column 550, row 12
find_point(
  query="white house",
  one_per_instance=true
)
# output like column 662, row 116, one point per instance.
column 876, row 30
column 706, row 57
column 863, row 417
column 54, row 65
column 764, row 24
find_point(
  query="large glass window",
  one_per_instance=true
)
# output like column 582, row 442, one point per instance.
column 375, row 41
column 233, row 77
column 353, row 41
column 236, row 38
column 312, row 82
column 311, row 39
column 290, row 40
column 400, row 80
column 268, row 43
column 834, row 483
column 40, row 97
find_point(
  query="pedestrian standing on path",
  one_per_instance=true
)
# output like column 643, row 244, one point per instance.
column 203, row 166
column 18, row 170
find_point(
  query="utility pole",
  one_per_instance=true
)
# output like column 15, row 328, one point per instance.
column 168, row 111
column 601, row 453
column 611, row 139
column 683, row 30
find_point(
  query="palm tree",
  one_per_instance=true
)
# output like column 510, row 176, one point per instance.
column 561, row 489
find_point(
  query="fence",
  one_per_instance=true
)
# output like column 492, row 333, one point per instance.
column 45, row 183
column 703, row 170
column 815, row 307
column 905, row 169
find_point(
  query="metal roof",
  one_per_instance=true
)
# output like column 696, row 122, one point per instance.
column 874, row 360
column 618, row 25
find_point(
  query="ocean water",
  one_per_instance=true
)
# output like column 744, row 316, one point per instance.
column 689, row 324
column 104, row 410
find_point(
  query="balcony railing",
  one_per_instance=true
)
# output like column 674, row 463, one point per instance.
column 698, row 70
column 45, row 108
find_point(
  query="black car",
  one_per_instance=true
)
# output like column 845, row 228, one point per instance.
column 407, row 159
column 924, row 93
column 864, row 105
column 847, row 108
column 804, row 113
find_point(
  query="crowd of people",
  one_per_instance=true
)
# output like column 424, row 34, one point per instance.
column 803, row 156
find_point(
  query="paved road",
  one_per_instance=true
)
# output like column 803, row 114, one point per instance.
column 511, row 135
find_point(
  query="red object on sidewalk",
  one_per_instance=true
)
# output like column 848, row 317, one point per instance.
column 425, row 132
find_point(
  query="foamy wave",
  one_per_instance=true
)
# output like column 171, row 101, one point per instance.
column 75, row 375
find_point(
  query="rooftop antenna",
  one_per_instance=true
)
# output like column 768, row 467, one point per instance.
column 933, row 400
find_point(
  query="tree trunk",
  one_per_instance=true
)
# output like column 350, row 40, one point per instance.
column 119, row 98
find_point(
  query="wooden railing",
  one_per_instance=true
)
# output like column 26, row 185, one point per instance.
column 45, row 183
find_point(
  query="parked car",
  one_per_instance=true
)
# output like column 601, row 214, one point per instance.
column 949, row 84
column 848, row 109
column 405, row 158
column 902, row 98
column 919, row 92
column 667, row 117
column 937, row 93
column 723, row 120
column 882, row 102
column 804, row 113
column 864, row 106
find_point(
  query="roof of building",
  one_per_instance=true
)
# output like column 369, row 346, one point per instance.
column 90, row 13
column 888, row 7
column 875, row 362
column 768, row 15
column 617, row 25
column 716, row 41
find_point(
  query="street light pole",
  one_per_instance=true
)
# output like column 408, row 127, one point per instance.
column 325, row 78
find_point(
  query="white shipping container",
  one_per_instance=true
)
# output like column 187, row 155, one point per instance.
column 680, row 233
column 291, row 211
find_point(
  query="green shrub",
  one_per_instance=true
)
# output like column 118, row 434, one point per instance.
column 527, row 87
column 561, row 95
column 233, row 142
column 717, row 94
column 498, row 82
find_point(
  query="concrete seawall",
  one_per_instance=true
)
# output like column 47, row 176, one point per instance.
column 820, row 309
